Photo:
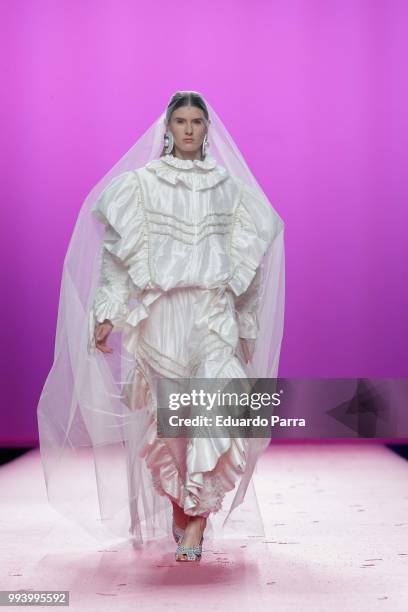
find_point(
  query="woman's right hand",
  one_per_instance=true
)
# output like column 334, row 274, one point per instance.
column 102, row 331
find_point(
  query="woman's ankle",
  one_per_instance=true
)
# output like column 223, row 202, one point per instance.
column 196, row 523
column 181, row 519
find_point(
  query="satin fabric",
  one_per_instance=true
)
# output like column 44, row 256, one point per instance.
column 90, row 439
column 197, row 472
column 185, row 239
column 169, row 228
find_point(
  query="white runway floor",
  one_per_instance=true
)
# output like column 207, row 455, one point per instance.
column 336, row 518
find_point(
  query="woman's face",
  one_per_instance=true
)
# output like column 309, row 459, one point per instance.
column 187, row 124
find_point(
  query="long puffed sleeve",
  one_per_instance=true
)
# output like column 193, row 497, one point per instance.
column 120, row 208
column 112, row 295
column 117, row 208
column 255, row 227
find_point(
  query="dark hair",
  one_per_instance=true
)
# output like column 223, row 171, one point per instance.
column 184, row 98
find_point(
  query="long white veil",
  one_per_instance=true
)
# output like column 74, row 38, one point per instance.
column 89, row 440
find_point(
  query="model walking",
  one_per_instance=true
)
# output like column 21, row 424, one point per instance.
column 198, row 248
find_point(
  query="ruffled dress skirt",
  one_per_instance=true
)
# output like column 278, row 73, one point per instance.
column 188, row 332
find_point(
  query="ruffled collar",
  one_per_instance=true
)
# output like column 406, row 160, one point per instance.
column 194, row 173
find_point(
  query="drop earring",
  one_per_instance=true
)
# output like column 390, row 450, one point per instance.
column 204, row 146
column 168, row 142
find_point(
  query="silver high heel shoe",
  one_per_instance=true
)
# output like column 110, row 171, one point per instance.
column 193, row 553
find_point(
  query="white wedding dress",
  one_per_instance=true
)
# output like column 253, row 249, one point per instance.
column 184, row 239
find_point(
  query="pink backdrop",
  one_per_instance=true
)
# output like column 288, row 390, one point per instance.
column 315, row 95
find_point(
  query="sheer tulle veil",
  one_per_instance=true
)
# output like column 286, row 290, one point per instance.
column 89, row 440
